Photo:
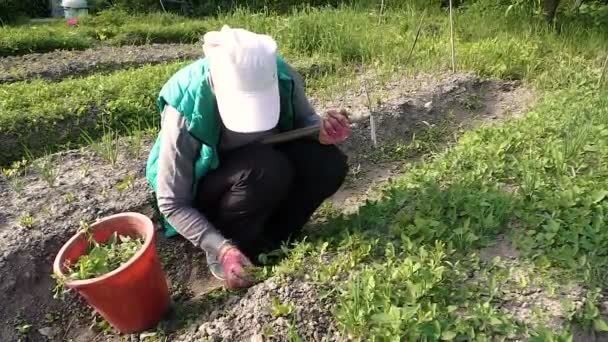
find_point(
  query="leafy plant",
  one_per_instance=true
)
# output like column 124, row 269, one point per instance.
column 99, row 258
column 26, row 221
column 126, row 183
column 279, row 309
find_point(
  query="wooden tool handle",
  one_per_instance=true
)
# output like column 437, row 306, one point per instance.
column 291, row 135
column 299, row 133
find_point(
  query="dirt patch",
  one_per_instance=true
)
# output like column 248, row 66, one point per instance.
column 88, row 187
column 60, row 64
column 269, row 312
column 503, row 248
column 403, row 107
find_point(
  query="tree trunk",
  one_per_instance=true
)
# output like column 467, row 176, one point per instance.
column 550, row 9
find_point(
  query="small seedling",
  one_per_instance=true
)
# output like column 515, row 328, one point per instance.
column 472, row 102
column 47, row 170
column 135, row 144
column 26, row 221
column 23, row 331
column 52, row 317
column 281, row 310
column 267, row 331
column 14, row 174
column 355, row 173
column 70, row 197
column 85, row 169
column 292, row 334
column 106, row 148
column 101, row 325
column 135, row 139
column 126, row 183
column 46, row 167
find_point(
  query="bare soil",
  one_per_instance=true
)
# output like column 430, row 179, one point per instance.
column 60, row 64
column 88, row 187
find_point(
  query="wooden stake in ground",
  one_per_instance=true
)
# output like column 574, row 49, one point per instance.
column 452, row 38
column 601, row 79
column 372, row 122
column 381, row 12
column 415, row 39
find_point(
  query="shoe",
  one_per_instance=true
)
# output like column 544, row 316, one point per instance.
column 215, row 267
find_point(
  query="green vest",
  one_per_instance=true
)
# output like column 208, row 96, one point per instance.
column 189, row 91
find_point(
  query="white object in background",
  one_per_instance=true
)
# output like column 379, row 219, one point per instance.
column 74, row 8
column 372, row 127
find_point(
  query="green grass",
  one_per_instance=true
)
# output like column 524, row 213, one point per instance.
column 408, row 265
column 333, row 40
column 40, row 115
column 111, row 27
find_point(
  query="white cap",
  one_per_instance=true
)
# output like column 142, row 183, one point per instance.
column 243, row 69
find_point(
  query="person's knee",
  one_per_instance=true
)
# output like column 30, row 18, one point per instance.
column 270, row 177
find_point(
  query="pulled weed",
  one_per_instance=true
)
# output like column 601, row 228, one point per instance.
column 99, row 258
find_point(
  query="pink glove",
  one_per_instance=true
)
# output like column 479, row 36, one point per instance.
column 235, row 264
column 335, row 127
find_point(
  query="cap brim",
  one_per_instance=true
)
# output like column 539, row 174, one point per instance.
column 248, row 112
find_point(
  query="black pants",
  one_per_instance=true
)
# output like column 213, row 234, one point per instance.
column 262, row 195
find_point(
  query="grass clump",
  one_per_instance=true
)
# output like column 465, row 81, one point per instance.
column 15, row 175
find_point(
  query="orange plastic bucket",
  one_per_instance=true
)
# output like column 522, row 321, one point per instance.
column 135, row 296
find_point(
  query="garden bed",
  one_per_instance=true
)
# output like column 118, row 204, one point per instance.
column 61, row 64
column 46, row 210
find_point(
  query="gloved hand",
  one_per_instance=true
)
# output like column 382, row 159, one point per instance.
column 335, row 127
column 235, row 266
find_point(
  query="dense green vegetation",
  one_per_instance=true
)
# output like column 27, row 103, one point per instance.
column 43, row 117
column 536, row 53
column 116, row 27
column 416, row 252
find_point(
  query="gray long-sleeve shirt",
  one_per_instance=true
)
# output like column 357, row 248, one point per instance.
column 178, row 151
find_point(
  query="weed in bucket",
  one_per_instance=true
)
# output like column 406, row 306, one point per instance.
column 100, row 258
column 114, row 266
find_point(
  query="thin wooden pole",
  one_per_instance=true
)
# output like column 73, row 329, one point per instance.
column 372, row 122
column 415, row 39
column 381, row 12
column 599, row 82
column 452, row 38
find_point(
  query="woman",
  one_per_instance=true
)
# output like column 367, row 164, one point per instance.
column 215, row 184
